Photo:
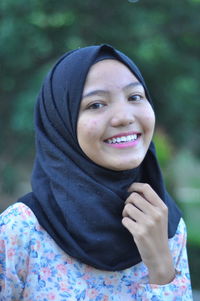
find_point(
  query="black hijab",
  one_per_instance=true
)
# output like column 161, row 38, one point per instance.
column 77, row 202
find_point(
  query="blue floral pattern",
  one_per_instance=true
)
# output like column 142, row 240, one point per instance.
column 33, row 267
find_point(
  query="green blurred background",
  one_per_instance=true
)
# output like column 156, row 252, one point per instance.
column 162, row 37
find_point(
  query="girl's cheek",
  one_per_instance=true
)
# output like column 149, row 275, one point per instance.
column 89, row 127
column 149, row 118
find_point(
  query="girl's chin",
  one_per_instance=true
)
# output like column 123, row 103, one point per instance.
column 123, row 166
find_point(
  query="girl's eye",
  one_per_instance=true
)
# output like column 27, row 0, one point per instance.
column 135, row 97
column 95, row 106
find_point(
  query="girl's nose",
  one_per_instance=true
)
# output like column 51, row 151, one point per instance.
column 122, row 116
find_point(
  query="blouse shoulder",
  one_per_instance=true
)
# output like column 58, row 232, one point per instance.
column 19, row 229
column 18, row 225
column 15, row 216
column 181, row 227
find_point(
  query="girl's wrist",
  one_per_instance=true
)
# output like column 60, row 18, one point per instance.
column 162, row 272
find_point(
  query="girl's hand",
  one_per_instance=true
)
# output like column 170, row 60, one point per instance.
column 145, row 216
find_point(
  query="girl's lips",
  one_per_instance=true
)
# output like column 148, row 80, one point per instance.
column 123, row 141
column 123, row 135
column 124, row 144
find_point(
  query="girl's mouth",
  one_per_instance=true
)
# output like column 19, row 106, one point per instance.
column 123, row 140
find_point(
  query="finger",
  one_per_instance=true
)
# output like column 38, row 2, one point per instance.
column 130, row 225
column 141, row 203
column 134, row 213
column 148, row 193
column 152, row 214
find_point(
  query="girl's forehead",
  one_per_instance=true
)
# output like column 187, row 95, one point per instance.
column 110, row 72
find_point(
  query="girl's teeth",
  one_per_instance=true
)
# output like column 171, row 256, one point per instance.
column 123, row 139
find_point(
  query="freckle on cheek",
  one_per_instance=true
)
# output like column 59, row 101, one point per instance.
column 94, row 123
column 93, row 126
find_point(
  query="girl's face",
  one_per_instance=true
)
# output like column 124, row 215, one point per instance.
column 116, row 121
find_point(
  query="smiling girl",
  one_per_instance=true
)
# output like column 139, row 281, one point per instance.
column 99, row 223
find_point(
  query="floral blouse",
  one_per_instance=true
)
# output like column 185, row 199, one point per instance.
column 33, row 267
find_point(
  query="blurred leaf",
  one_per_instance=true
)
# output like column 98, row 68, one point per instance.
column 58, row 19
column 163, row 147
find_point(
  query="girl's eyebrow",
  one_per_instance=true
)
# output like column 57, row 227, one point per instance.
column 133, row 85
column 95, row 92
column 104, row 92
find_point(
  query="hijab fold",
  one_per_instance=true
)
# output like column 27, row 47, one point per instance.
column 77, row 202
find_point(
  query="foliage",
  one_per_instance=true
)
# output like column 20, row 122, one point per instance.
column 184, row 172
column 164, row 147
column 194, row 263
